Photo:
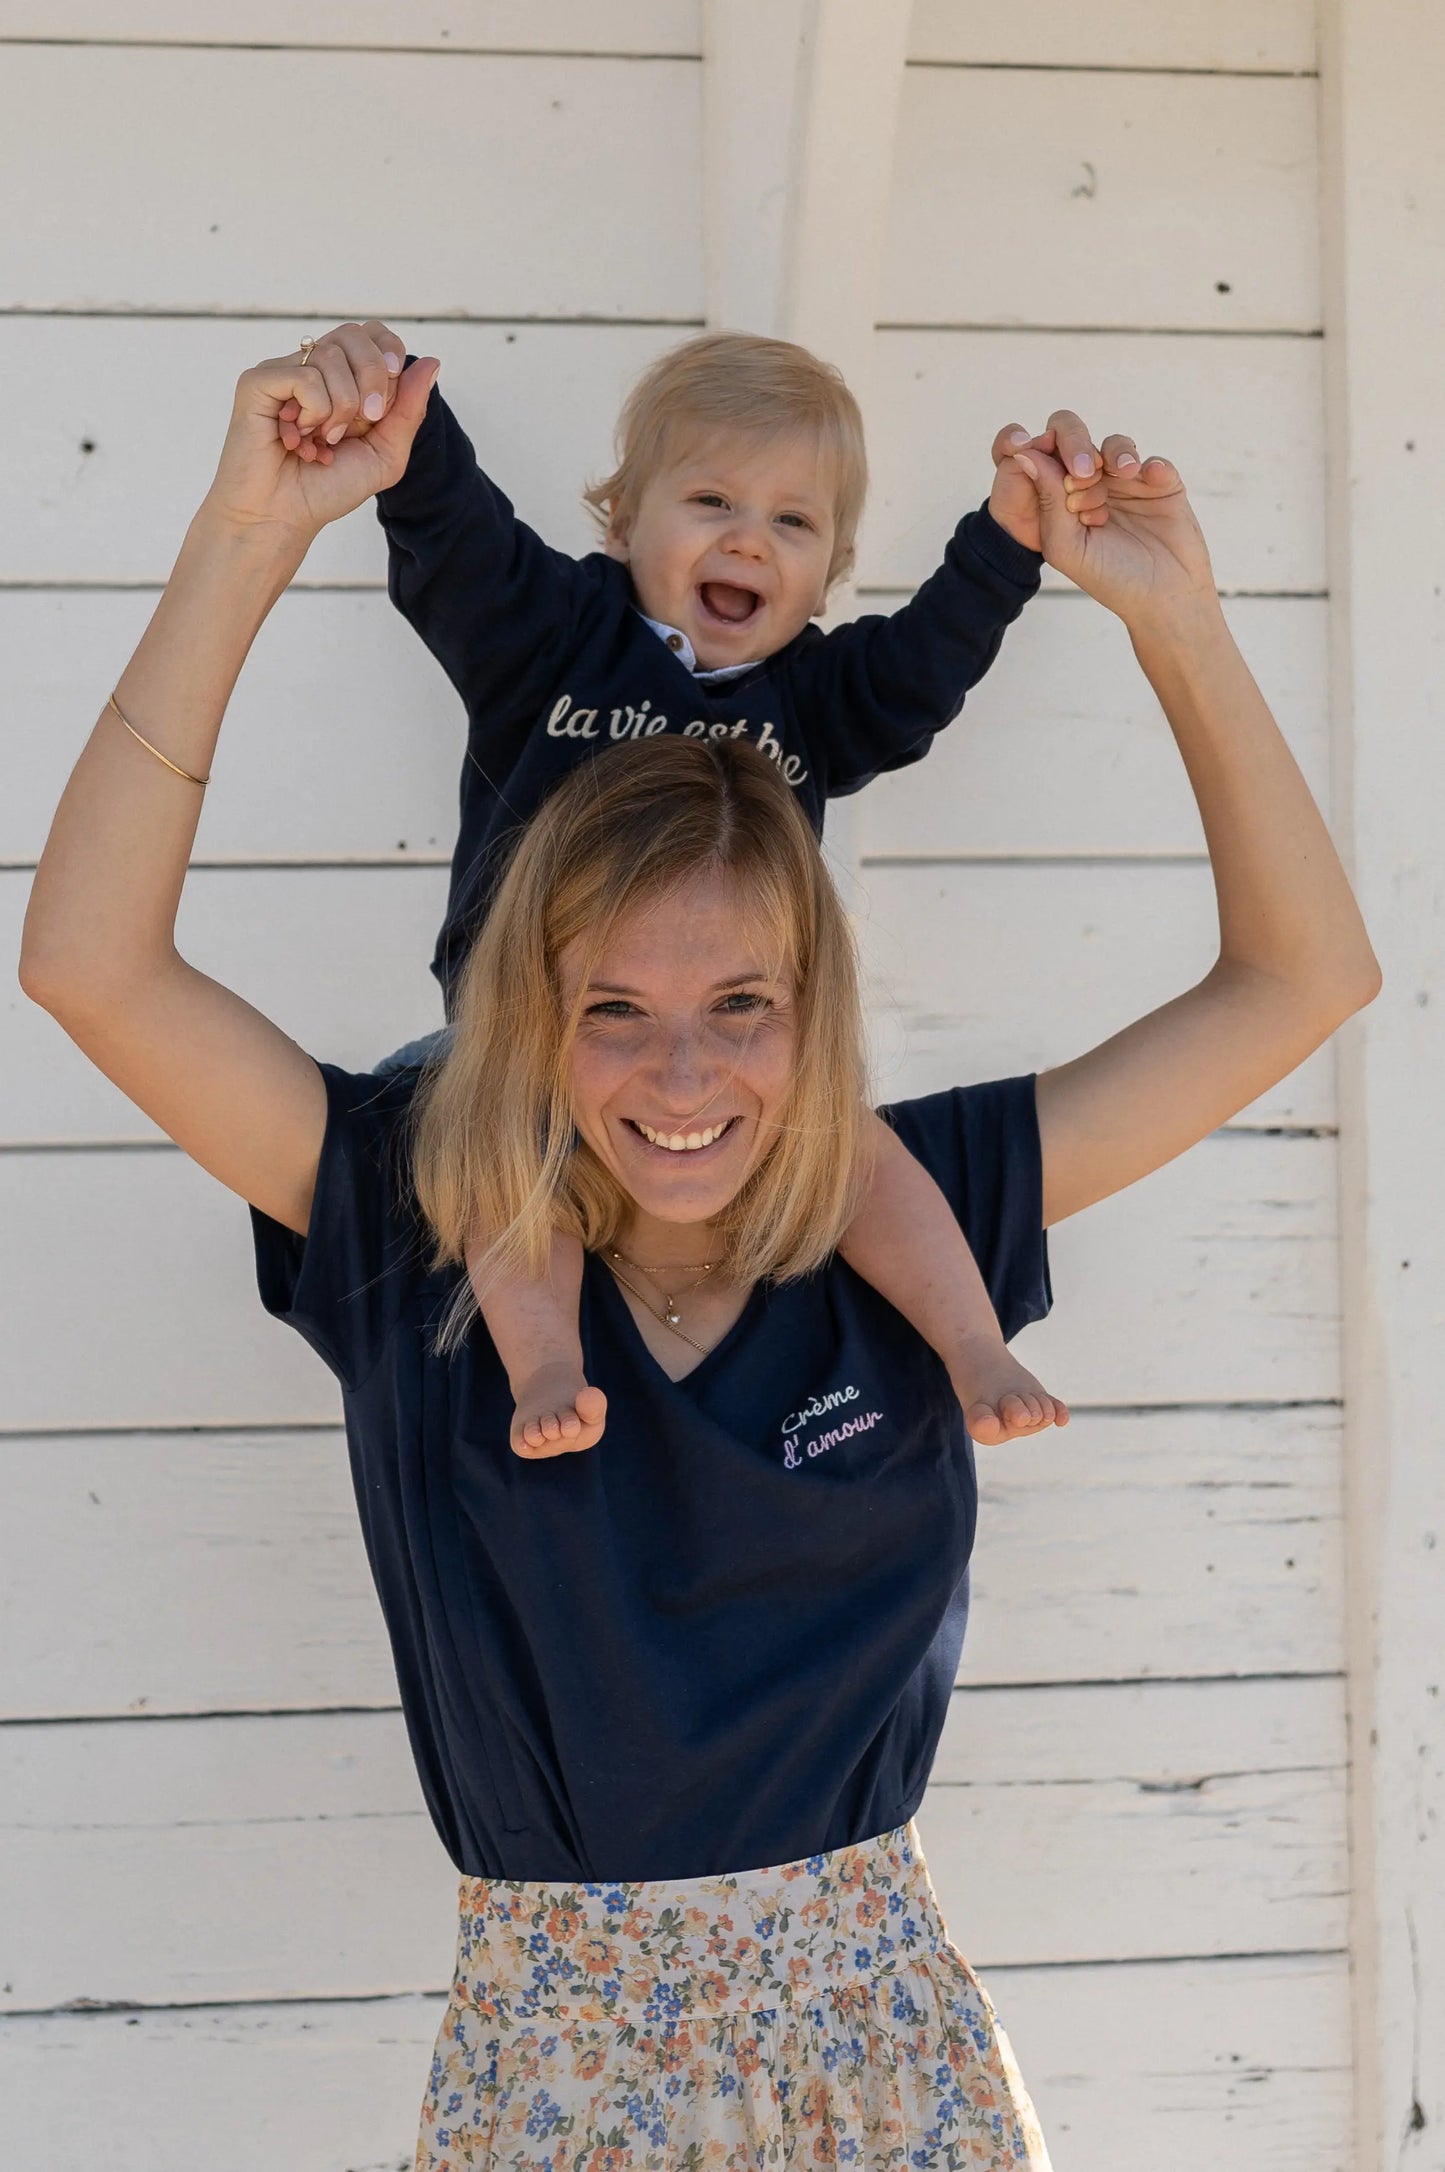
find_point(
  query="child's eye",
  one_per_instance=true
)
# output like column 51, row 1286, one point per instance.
column 797, row 520
column 709, row 497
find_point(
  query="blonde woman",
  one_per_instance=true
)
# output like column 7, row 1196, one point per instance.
column 674, row 1700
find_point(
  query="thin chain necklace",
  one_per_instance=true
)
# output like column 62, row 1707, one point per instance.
column 670, row 1317
column 670, row 1313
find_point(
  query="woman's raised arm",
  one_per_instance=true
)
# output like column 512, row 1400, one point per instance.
column 1294, row 958
column 99, row 949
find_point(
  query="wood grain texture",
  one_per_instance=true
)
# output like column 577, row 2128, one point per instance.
column 1197, row 2062
column 199, row 1573
column 344, row 739
column 482, row 184
column 987, row 970
column 1214, row 1280
column 1240, row 417
column 446, row 26
column 1236, row 35
column 195, row 1860
column 1184, row 200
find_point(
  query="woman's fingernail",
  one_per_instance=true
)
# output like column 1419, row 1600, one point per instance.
column 1018, row 437
column 334, row 437
column 373, row 406
column 1083, row 463
column 393, row 364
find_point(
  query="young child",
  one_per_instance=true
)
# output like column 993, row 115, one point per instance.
column 731, row 513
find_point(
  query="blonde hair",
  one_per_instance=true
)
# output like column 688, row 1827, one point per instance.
column 736, row 381
column 494, row 1144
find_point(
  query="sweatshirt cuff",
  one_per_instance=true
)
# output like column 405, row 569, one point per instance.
column 426, row 449
column 1003, row 552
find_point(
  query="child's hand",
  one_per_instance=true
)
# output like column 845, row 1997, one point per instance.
column 1129, row 538
column 1014, row 499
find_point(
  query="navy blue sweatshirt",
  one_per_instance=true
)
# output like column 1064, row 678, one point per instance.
column 554, row 662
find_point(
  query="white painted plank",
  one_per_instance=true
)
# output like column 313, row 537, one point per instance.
column 1229, row 34
column 1241, row 417
column 489, row 185
column 1188, row 2064
column 1181, row 200
column 1063, row 748
column 183, row 1860
column 988, row 969
column 539, row 401
column 156, row 1573
column 1039, row 1799
column 458, row 26
column 1170, row 1543
column 175, row 1573
column 344, row 739
column 979, row 971
column 1214, row 1280
column 193, row 1860
column 1194, row 2063
column 338, row 957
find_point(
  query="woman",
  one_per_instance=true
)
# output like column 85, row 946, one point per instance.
column 673, row 1701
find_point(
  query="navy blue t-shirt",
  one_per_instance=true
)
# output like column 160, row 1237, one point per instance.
column 554, row 663
column 726, row 1636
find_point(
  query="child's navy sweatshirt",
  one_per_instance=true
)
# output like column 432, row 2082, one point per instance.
column 555, row 662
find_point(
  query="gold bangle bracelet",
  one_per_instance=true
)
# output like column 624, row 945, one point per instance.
column 190, row 778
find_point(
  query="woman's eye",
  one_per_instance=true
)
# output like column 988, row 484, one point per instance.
column 616, row 1007
column 738, row 1005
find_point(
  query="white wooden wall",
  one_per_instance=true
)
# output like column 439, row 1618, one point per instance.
column 222, row 1911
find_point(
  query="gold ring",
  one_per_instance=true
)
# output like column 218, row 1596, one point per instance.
column 308, row 348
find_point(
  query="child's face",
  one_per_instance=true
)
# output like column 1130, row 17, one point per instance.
column 732, row 543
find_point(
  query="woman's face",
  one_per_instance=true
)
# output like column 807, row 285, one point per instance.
column 684, row 1052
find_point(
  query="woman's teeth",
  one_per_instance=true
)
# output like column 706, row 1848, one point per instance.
column 678, row 1142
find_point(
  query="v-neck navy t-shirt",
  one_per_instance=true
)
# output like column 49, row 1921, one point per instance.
column 726, row 1636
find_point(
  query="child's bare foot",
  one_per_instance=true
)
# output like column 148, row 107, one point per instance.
column 1001, row 1399
column 557, row 1412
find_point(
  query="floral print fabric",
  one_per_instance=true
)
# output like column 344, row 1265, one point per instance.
column 809, row 2014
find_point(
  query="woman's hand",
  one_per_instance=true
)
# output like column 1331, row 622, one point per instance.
column 1125, row 532
column 302, row 449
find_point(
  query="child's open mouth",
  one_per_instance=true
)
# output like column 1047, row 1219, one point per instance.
column 729, row 604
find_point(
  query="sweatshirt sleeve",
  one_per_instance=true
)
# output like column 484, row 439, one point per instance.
column 489, row 598
column 874, row 692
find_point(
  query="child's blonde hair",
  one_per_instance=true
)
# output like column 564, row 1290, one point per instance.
column 736, row 381
column 494, row 1145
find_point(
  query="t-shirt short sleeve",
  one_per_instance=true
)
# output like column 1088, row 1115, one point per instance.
column 342, row 1285
column 980, row 1144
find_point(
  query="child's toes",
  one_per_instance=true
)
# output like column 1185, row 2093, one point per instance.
column 986, row 1425
column 591, row 1412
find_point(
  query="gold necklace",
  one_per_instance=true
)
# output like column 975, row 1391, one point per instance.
column 670, row 1318
column 670, row 1314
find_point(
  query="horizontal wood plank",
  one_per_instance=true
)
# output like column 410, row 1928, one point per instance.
column 338, row 957
column 1241, row 417
column 458, row 26
column 482, row 184
column 1238, row 35
column 973, row 971
column 344, row 738
column 989, row 969
column 1183, row 200
column 1209, row 2061
column 1170, row 1542
column 1063, row 747
column 196, row 1573
column 193, row 1860
column 1214, row 1280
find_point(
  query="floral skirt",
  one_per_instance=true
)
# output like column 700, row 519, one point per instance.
column 809, row 2014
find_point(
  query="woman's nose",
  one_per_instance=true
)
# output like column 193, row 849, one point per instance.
column 685, row 1073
